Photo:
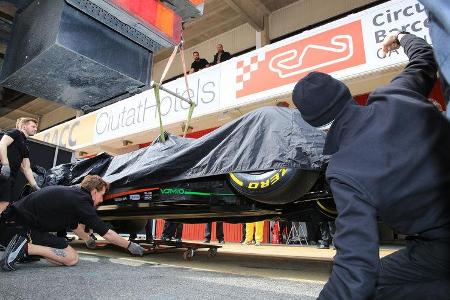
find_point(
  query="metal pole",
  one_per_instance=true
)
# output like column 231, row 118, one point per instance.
column 158, row 106
column 172, row 93
column 55, row 156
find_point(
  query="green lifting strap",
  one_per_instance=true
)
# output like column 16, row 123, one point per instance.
column 191, row 110
column 158, row 106
column 156, row 88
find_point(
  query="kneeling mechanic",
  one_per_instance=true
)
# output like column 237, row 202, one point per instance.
column 55, row 208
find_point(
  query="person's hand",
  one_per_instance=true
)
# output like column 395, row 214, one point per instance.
column 5, row 171
column 90, row 243
column 390, row 43
column 135, row 249
column 35, row 188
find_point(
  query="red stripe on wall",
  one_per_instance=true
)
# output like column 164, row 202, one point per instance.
column 196, row 232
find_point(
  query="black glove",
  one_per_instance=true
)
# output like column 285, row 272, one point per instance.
column 135, row 249
column 5, row 171
column 90, row 243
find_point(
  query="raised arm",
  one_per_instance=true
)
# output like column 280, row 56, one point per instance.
column 419, row 74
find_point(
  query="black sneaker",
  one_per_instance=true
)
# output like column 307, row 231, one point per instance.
column 14, row 252
column 206, row 241
column 165, row 239
column 323, row 245
column 221, row 242
column 69, row 238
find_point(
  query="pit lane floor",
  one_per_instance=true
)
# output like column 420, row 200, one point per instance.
column 101, row 277
column 237, row 272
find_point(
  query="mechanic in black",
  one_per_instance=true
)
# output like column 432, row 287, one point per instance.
column 221, row 55
column 389, row 160
column 198, row 63
column 172, row 230
column 14, row 156
column 219, row 232
column 55, row 208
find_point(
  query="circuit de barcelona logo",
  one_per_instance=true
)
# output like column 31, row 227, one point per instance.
column 329, row 51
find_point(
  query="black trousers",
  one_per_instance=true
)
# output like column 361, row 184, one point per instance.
column 9, row 226
column 327, row 230
column 170, row 228
column 219, row 231
column 420, row 271
column 179, row 231
column 6, row 189
column 244, row 231
column 149, row 230
column 313, row 231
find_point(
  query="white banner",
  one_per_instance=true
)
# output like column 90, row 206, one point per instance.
column 392, row 16
column 139, row 113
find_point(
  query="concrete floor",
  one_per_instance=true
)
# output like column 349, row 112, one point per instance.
column 237, row 272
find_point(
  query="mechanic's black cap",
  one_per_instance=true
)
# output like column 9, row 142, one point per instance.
column 319, row 98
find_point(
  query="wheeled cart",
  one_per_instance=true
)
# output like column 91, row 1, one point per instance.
column 161, row 246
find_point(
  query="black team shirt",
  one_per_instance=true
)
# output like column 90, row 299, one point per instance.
column 199, row 64
column 56, row 208
column 17, row 150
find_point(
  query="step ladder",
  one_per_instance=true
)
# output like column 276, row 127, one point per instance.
column 297, row 234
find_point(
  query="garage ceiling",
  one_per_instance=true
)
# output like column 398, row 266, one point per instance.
column 219, row 16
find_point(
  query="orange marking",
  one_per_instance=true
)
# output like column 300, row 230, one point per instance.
column 197, row 2
column 110, row 196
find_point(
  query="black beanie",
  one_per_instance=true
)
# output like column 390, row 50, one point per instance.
column 319, row 98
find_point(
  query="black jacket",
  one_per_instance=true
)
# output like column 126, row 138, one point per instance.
column 225, row 56
column 57, row 208
column 391, row 159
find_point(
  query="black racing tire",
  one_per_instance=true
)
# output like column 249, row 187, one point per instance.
column 278, row 186
column 128, row 226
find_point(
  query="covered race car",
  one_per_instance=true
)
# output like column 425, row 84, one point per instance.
column 266, row 164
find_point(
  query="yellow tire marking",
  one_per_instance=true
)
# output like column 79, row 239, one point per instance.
column 330, row 211
column 235, row 179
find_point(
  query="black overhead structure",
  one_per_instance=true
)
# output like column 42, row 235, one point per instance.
column 83, row 53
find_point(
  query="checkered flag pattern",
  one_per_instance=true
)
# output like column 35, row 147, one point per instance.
column 245, row 68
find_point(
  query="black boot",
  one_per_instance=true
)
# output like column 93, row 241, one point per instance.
column 323, row 245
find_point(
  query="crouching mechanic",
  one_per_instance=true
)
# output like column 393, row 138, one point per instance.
column 389, row 160
column 56, row 208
